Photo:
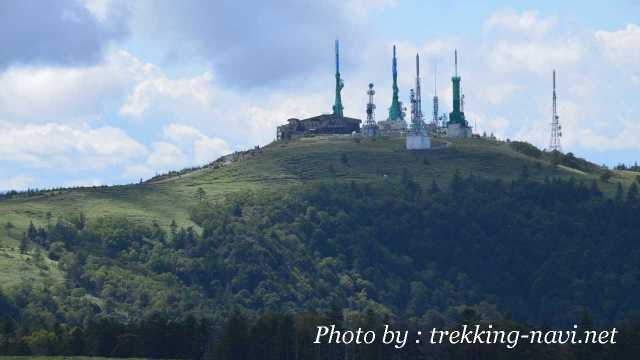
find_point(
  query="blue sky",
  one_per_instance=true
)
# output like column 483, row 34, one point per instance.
column 111, row 91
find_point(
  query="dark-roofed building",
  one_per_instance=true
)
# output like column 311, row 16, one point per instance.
column 321, row 124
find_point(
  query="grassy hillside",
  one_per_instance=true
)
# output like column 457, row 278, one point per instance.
column 275, row 168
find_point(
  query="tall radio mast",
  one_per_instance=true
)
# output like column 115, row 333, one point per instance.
column 416, row 99
column 337, row 107
column 556, row 129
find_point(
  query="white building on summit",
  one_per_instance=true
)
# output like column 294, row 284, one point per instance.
column 417, row 137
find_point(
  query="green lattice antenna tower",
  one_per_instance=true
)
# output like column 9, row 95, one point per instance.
column 395, row 111
column 457, row 115
column 337, row 107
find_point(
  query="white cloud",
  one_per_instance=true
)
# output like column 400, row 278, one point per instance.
column 139, row 171
column 261, row 52
column 624, row 138
column 18, row 182
column 534, row 56
column 496, row 125
column 98, row 8
column 208, row 149
column 184, row 146
column 527, row 22
column 362, row 8
column 205, row 149
column 496, row 94
column 53, row 145
column 181, row 133
column 165, row 155
column 85, row 182
column 622, row 46
column 43, row 94
column 160, row 88
column 526, row 41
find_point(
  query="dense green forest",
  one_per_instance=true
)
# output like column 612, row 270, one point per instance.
column 548, row 253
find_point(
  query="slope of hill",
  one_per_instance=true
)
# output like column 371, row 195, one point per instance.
column 275, row 167
column 279, row 165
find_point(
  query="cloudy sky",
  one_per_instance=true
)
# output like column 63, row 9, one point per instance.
column 111, row 91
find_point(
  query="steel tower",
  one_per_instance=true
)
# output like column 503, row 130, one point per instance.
column 556, row 129
column 416, row 100
column 371, row 107
column 457, row 115
column 395, row 111
column 337, row 107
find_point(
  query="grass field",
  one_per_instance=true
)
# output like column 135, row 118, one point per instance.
column 275, row 168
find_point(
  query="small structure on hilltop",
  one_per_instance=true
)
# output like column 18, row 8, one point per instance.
column 418, row 136
column 395, row 124
column 334, row 123
column 457, row 126
column 321, row 124
column 370, row 128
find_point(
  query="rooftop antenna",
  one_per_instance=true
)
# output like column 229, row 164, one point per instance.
column 435, row 79
column 435, row 95
column 418, row 95
column 456, row 61
column 556, row 129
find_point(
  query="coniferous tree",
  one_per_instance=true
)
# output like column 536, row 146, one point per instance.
column 8, row 226
column 595, row 189
column 76, row 342
column 524, row 174
column 619, row 193
column 434, row 187
column 456, row 182
column 80, row 220
column 174, row 230
column 405, row 177
column 201, row 195
column 24, row 244
column 344, row 159
column 234, row 339
column 32, row 232
column 632, row 194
